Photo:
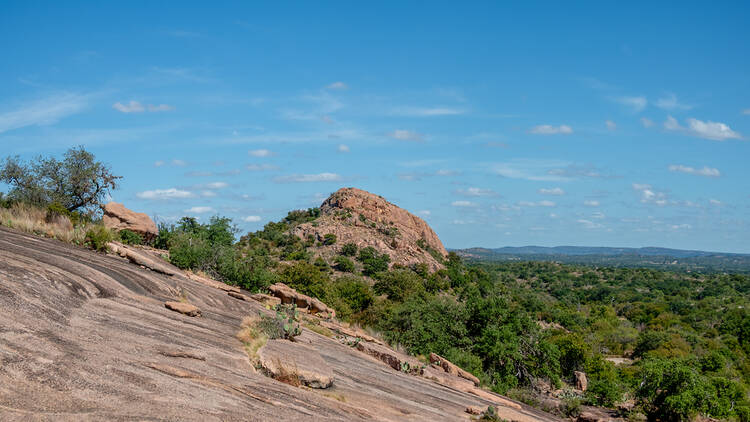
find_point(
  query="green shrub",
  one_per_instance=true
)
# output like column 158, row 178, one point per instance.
column 398, row 284
column 97, row 238
column 130, row 237
column 329, row 239
column 373, row 262
column 349, row 249
column 307, row 279
column 344, row 264
column 187, row 251
column 284, row 324
column 321, row 264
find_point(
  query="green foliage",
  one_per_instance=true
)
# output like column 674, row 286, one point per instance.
column 130, row 237
column 398, row 284
column 78, row 182
column 344, row 264
column 349, row 249
column 97, row 238
column 372, row 261
column 284, row 324
column 307, row 279
column 329, row 239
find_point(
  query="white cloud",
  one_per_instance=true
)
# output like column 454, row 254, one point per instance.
column 425, row 213
column 705, row 171
column 214, row 185
column 647, row 122
column 165, row 194
column 44, row 112
column 208, row 194
column 611, row 125
column 551, row 130
column 343, row 148
column 136, row 107
column 714, row 202
column 544, row 203
column 307, row 178
column 636, row 103
column 598, row 215
column 261, row 167
column 649, row 195
column 591, row 203
column 446, row 172
column 427, row 111
column 476, row 192
column 131, row 107
column 715, row 131
column 159, row 163
column 532, row 169
column 746, row 112
column 338, row 85
column 464, row 204
column 551, row 191
column 670, row 102
column 179, row 163
column 589, row 224
column 406, row 135
column 260, row 153
column 161, row 107
column 199, row 210
column 251, row 219
column 680, row 226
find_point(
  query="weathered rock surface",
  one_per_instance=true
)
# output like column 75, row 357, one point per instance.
column 141, row 257
column 452, row 369
column 359, row 217
column 183, row 308
column 85, row 337
column 265, row 299
column 117, row 217
column 283, row 358
column 304, row 302
column 390, row 357
column 582, row 383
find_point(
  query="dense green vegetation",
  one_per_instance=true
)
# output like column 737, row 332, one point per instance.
column 517, row 326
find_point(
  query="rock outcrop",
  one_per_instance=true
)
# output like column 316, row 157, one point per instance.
column 451, row 368
column 183, row 308
column 117, row 217
column 359, row 217
column 290, row 362
column 304, row 302
column 582, row 382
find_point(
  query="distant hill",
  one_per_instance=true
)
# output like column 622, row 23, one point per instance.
column 648, row 257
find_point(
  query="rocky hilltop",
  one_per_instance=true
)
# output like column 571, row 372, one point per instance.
column 365, row 219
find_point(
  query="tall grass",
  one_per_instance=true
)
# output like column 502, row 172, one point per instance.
column 34, row 220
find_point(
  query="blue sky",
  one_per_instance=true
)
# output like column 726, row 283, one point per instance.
column 546, row 123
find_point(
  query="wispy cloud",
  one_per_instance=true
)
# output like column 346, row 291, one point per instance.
column 715, row 131
column 260, row 153
column 650, row 196
column 746, row 112
column 670, row 102
column 637, row 104
column 308, row 178
column 45, row 111
column 343, row 148
column 532, row 169
column 136, row 107
column 199, row 210
column 475, row 192
column 543, row 203
column 610, row 125
column 427, row 111
column 251, row 219
column 165, row 194
column 591, row 203
column 705, row 171
column 588, row 224
column 464, row 204
column 551, row 130
column 646, row 122
column 261, row 167
column 551, row 191
column 337, row 86
column 406, row 135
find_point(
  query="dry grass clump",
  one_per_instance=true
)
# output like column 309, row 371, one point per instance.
column 37, row 221
column 252, row 336
column 287, row 377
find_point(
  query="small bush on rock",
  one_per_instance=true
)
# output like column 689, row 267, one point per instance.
column 97, row 238
column 130, row 237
